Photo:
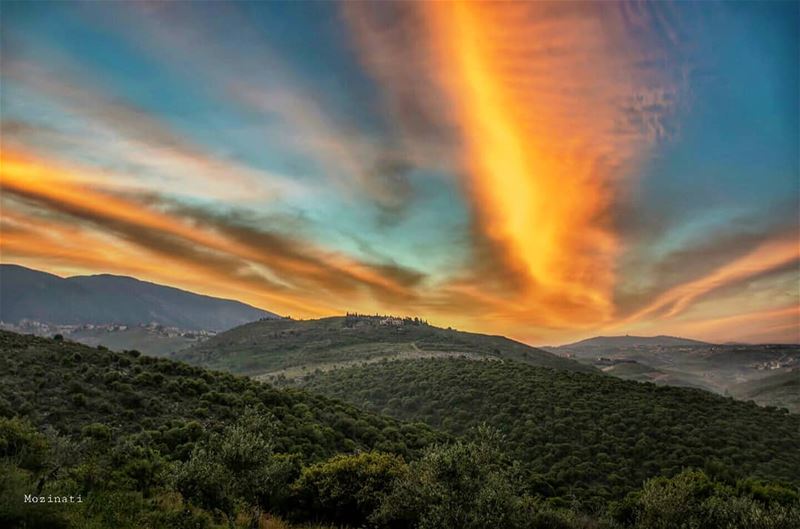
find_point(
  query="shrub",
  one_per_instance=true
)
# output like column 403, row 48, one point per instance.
column 15, row 483
column 23, row 444
column 348, row 489
column 237, row 466
column 204, row 481
column 97, row 431
column 465, row 485
column 691, row 499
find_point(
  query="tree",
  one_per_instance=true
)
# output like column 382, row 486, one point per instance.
column 237, row 466
column 464, row 485
column 692, row 500
column 23, row 444
column 348, row 489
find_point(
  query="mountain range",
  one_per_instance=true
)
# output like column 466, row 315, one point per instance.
column 27, row 294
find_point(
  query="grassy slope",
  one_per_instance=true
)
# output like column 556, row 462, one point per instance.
column 134, row 338
column 644, row 373
column 69, row 386
column 290, row 347
column 586, row 434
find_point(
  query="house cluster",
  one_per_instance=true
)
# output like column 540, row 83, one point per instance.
column 49, row 329
column 354, row 319
column 782, row 363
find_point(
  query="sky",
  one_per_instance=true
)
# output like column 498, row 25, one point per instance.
column 547, row 171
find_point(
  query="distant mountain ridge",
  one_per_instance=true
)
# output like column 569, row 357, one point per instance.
column 598, row 342
column 105, row 299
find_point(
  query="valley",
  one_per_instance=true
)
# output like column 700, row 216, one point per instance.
column 676, row 361
column 152, row 338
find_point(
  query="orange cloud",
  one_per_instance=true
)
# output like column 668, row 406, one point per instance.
column 121, row 135
column 771, row 325
column 555, row 106
column 542, row 109
column 770, row 255
column 283, row 274
column 542, row 98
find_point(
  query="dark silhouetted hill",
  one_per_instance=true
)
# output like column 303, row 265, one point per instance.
column 104, row 299
column 613, row 342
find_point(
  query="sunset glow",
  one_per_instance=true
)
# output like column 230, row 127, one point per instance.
column 544, row 170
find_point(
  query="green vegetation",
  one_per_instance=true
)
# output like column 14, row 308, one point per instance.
column 71, row 387
column 471, row 485
column 148, row 443
column 293, row 348
column 133, row 430
column 692, row 499
column 348, row 489
column 583, row 436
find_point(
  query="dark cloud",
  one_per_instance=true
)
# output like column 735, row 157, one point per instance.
column 388, row 37
column 298, row 267
column 389, row 180
column 291, row 257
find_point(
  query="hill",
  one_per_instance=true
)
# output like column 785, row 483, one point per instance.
column 119, row 428
column 27, row 294
column 116, row 440
column 582, row 434
column 716, row 368
column 290, row 348
column 69, row 386
column 601, row 343
column 777, row 389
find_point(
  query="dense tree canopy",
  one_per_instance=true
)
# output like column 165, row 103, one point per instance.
column 153, row 444
column 579, row 435
column 76, row 389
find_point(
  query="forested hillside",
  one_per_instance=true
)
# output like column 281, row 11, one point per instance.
column 134, row 417
column 290, row 348
column 70, row 386
column 580, row 435
column 150, row 443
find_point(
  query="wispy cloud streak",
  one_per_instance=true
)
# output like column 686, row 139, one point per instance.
column 519, row 159
column 552, row 106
